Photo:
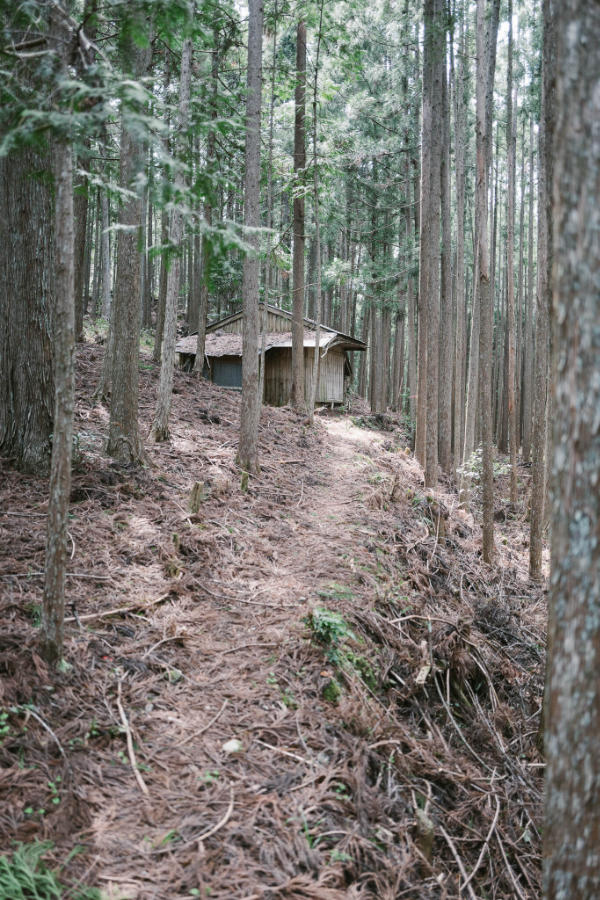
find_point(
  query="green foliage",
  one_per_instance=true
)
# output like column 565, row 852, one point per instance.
column 24, row 876
column 330, row 629
column 473, row 466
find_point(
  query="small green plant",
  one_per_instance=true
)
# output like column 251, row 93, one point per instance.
column 53, row 785
column 210, row 776
column 288, row 699
column 330, row 629
column 333, row 589
column 4, row 726
column 472, row 467
column 93, row 730
column 34, row 611
column 341, row 789
column 339, row 856
column 24, row 876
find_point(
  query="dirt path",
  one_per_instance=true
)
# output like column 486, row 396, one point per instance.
column 239, row 629
column 217, row 644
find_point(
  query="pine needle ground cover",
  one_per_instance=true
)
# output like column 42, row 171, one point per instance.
column 311, row 688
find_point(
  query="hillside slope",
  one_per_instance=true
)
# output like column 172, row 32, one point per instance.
column 326, row 693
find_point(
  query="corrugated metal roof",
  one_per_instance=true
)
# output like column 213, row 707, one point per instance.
column 231, row 344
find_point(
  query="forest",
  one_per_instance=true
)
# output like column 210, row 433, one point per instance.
column 299, row 449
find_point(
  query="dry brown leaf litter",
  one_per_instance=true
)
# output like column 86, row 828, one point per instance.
column 423, row 781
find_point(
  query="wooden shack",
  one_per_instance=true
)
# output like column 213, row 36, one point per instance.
column 223, row 356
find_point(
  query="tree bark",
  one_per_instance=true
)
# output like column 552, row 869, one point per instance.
column 208, row 212
column 251, row 400
column 460, row 325
column 484, row 74
column 425, row 238
column 160, row 425
column 27, row 294
column 106, row 301
column 162, row 288
column 540, row 422
column 297, row 399
column 124, row 442
column 528, row 349
column 446, row 336
column 318, row 295
column 510, row 273
column 53, row 606
column 80, row 212
column 572, row 827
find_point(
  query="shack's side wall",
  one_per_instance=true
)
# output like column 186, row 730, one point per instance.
column 278, row 376
column 224, row 370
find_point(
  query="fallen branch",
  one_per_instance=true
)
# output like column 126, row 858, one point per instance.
column 509, row 869
column 245, row 647
column 307, row 762
column 175, row 637
column 485, row 845
column 115, row 612
column 220, row 823
column 205, row 834
column 458, row 861
column 130, row 749
column 45, row 725
column 68, row 574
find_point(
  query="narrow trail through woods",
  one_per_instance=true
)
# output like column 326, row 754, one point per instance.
column 265, row 695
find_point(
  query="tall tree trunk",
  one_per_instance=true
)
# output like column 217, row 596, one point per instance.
column 97, row 278
column 529, row 318
column 425, row 235
column 540, row 383
column 484, row 74
column 438, row 49
column 148, row 261
column 315, row 161
column 27, row 295
column 362, row 369
column 510, row 273
column 461, row 313
column 106, row 302
column 80, row 212
column 520, row 299
column 429, row 267
column 162, row 288
column 208, row 211
column 160, row 426
column 312, row 279
column 410, row 299
column 124, row 442
column 572, row 821
column 297, row 394
column 53, row 607
column 446, row 336
column 251, row 400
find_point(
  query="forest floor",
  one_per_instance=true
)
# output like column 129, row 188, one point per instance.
column 311, row 689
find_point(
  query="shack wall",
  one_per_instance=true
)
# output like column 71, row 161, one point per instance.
column 224, row 370
column 278, row 376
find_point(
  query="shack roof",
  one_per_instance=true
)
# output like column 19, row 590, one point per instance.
column 228, row 343
column 348, row 342
column 231, row 344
